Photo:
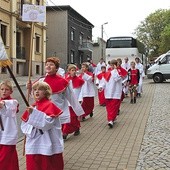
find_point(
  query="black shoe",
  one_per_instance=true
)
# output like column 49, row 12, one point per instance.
column 65, row 136
column 110, row 124
column 118, row 112
column 138, row 95
column 91, row 114
column 83, row 119
column 131, row 101
column 76, row 133
column 134, row 99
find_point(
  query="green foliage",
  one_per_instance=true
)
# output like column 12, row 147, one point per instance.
column 154, row 32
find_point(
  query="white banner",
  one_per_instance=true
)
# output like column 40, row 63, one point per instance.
column 34, row 13
column 4, row 61
column 3, row 54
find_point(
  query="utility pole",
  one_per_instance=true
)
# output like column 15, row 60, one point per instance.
column 102, row 51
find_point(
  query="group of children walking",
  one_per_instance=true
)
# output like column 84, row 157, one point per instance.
column 60, row 104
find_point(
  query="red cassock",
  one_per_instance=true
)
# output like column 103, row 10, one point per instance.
column 43, row 162
column 88, row 105
column 88, row 102
column 101, row 93
column 74, row 124
column 8, row 157
column 38, row 161
column 112, row 107
column 8, row 154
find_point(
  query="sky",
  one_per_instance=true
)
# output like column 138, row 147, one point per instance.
column 123, row 16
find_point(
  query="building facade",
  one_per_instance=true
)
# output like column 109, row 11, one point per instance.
column 69, row 35
column 16, row 36
column 98, row 47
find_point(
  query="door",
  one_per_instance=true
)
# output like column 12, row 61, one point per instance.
column 165, row 67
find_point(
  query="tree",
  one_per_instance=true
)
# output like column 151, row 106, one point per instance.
column 154, row 32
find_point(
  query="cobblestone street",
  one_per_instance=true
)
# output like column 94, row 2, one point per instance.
column 130, row 144
column 155, row 150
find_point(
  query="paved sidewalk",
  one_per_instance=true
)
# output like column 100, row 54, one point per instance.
column 155, row 148
column 101, row 148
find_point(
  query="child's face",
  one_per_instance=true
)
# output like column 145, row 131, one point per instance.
column 103, row 69
column 83, row 68
column 133, row 65
column 119, row 63
column 72, row 72
column 50, row 68
column 113, row 66
column 38, row 94
column 5, row 91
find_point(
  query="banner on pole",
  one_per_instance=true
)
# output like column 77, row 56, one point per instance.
column 34, row 13
column 4, row 61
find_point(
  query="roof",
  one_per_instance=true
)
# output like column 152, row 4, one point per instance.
column 70, row 9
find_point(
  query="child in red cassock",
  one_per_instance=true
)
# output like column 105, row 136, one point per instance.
column 8, row 128
column 88, row 91
column 76, row 83
column 113, row 92
column 99, row 80
column 41, row 125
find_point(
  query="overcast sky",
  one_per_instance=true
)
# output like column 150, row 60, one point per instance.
column 123, row 16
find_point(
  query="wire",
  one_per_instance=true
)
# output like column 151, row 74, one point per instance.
column 73, row 21
column 70, row 15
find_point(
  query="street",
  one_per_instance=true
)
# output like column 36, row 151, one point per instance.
column 139, row 139
column 22, row 106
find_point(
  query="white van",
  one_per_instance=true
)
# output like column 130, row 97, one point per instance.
column 160, row 71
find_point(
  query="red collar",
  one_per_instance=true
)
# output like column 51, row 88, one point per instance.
column 7, row 98
column 57, row 83
column 76, row 81
column 46, row 106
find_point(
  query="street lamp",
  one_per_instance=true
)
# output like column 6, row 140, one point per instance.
column 102, row 38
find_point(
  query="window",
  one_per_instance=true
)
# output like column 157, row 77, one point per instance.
column 81, row 58
column 37, row 69
column 72, row 35
column 37, row 2
column 72, row 56
column 81, row 39
column 37, row 45
column 4, row 33
column 3, row 70
column 168, row 59
column 18, row 39
column 17, row 69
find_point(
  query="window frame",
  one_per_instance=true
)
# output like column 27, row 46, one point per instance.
column 4, row 35
column 72, row 56
column 37, row 44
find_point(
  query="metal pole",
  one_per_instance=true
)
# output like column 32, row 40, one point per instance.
column 102, row 41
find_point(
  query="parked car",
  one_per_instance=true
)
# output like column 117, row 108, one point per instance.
column 160, row 71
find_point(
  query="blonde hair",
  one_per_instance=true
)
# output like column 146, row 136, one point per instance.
column 7, row 83
column 71, row 66
column 132, row 62
column 43, row 86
